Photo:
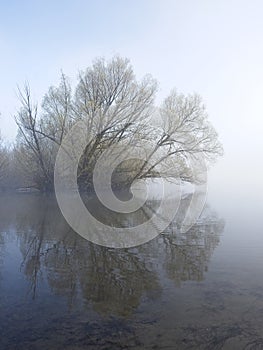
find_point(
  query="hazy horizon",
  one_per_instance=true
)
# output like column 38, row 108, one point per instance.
column 212, row 48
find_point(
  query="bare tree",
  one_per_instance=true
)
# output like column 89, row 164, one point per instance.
column 29, row 142
column 57, row 116
column 108, row 99
column 3, row 161
column 113, row 105
column 184, row 134
column 39, row 137
column 116, row 108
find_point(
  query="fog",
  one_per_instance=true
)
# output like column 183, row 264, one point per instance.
column 186, row 289
column 214, row 49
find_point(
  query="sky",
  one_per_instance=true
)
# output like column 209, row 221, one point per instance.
column 214, row 48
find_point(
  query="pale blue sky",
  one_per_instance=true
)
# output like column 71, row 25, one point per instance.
column 214, row 48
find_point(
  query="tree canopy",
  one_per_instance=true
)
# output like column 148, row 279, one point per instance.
column 116, row 109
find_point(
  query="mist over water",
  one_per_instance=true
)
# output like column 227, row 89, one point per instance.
column 198, row 289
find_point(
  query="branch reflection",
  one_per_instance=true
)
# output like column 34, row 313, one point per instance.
column 111, row 281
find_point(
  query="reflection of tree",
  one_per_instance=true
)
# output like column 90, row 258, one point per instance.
column 2, row 247
column 6, row 225
column 113, row 281
column 117, row 280
column 32, row 238
column 187, row 254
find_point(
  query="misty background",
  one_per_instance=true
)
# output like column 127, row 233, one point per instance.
column 212, row 48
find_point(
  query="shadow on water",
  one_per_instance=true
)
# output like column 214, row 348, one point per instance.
column 70, row 293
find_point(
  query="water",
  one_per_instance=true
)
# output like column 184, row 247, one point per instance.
column 201, row 290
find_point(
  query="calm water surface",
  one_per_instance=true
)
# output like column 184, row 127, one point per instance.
column 200, row 290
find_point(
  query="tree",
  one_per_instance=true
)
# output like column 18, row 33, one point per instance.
column 3, row 162
column 40, row 134
column 114, row 106
column 116, row 109
column 184, row 134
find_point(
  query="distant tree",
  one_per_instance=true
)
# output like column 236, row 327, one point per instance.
column 3, row 162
